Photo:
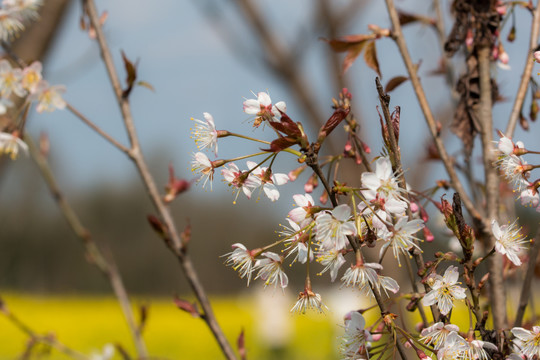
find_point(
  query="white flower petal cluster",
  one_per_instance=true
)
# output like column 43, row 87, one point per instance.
column 270, row 270
column 106, row 354
column 365, row 276
column 11, row 145
column 445, row 290
column 14, row 14
column 263, row 109
column 267, row 180
column 205, row 133
column 301, row 214
column 241, row 260
column 332, row 228
column 528, row 341
column 356, row 340
column 511, row 165
column 400, row 237
column 28, row 82
column 308, row 300
column 509, row 241
column 202, row 165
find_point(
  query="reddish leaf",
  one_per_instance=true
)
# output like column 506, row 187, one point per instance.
column 131, row 71
column 332, row 122
column 408, row 18
column 281, row 143
column 370, row 57
column 344, row 43
column 187, row 306
column 352, row 54
column 143, row 317
column 241, row 344
column 394, row 83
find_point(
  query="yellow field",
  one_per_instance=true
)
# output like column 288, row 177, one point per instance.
column 86, row 324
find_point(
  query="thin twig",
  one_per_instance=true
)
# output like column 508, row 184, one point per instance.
column 497, row 295
column 395, row 156
column 136, row 155
column 49, row 340
column 96, row 256
column 96, row 128
column 526, row 289
column 526, row 75
column 397, row 35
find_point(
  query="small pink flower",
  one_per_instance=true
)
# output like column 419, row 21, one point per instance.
column 537, row 56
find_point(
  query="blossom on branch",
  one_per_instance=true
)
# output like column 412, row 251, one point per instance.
column 205, row 133
column 239, row 180
column 48, row 97
column 263, row 109
column 444, row 290
column 509, row 241
column 355, row 341
column 527, row 341
column 301, row 214
column 241, row 260
column 334, row 227
column 267, row 180
column 202, row 165
column 270, row 270
column 308, row 300
column 10, row 144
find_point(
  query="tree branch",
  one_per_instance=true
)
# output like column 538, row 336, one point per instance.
column 136, row 156
column 526, row 75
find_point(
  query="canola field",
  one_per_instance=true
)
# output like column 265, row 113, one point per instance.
column 88, row 323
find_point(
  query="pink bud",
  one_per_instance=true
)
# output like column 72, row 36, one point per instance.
column 537, row 56
column 469, row 39
column 503, row 57
column 428, row 235
column 414, row 207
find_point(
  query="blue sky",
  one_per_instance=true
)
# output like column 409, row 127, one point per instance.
column 182, row 53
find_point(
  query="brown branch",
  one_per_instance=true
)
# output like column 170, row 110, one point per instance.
column 398, row 37
column 526, row 289
column 136, row 156
column 106, row 267
column 96, row 128
column 526, row 75
column 497, row 295
column 395, row 156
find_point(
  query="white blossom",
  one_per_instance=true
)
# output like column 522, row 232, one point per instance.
column 444, row 290
column 527, row 341
column 509, row 241
column 270, row 270
column 333, row 228
column 205, row 133
column 11, row 145
column 241, row 260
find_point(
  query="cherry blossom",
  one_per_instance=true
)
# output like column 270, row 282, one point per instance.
column 444, row 290
column 332, row 260
column 10, row 80
column 48, row 97
column 355, row 341
column 400, row 237
column 308, row 300
column 31, row 76
column 202, row 165
column 528, row 341
column 239, row 180
column 263, row 109
column 333, row 228
column 436, row 334
column 270, row 270
column 241, row 260
column 301, row 214
column 267, row 180
column 205, row 133
column 11, row 144
column 509, row 241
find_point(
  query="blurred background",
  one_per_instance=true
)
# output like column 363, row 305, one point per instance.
column 206, row 56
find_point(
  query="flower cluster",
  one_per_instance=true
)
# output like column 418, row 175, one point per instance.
column 14, row 14
column 517, row 171
column 28, row 83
